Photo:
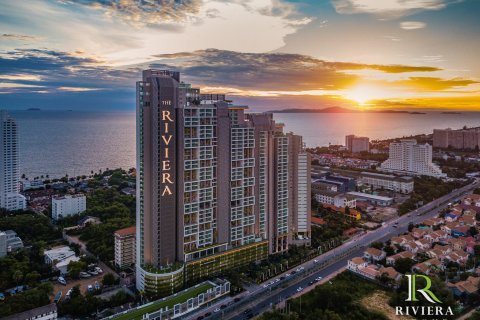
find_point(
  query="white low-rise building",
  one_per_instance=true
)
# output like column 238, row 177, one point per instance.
column 48, row 312
column 372, row 199
column 403, row 184
column 68, row 205
column 337, row 199
column 61, row 257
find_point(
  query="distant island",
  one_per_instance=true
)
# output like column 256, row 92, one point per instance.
column 34, row 109
column 341, row 110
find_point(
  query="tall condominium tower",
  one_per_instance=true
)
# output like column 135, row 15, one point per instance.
column 10, row 198
column 217, row 188
column 408, row 157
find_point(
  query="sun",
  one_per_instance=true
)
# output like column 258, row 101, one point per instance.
column 361, row 94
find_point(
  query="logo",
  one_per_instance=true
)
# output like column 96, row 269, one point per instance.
column 426, row 293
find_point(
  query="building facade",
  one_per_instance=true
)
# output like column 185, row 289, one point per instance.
column 10, row 198
column 215, row 188
column 3, row 244
column 457, row 139
column 408, row 157
column 68, row 205
column 388, row 182
column 125, row 247
column 356, row 144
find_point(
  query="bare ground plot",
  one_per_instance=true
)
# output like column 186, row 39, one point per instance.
column 378, row 301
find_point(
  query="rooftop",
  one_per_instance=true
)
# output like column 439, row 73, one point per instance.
column 370, row 196
column 126, row 231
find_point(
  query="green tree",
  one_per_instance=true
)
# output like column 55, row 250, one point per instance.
column 108, row 279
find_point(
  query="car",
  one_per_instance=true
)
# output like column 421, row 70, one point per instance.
column 247, row 311
column 396, row 222
column 98, row 269
column 200, row 318
column 288, row 275
column 293, row 272
column 418, row 214
column 318, row 278
column 237, row 299
column 299, row 289
column 270, row 283
column 97, row 286
column 311, row 282
column 84, row 274
column 282, row 278
column 62, row 280
column 315, row 261
column 90, row 288
column 93, row 272
column 265, row 285
column 2, row 296
column 276, row 280
column 223, row 306
column 216, row 310
column 395, row 226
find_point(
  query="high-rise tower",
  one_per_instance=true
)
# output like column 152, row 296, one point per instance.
column 209, row 182
column 10, row 198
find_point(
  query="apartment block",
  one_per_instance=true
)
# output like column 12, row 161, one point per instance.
column 457, row 139
column 125, row 247
column 217, row 187
column 68, row 205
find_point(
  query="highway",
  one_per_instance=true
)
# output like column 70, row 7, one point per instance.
column 283, row 286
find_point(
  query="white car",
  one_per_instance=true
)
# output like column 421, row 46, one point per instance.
column 288, row 275
column 216, row 310
column 265, row 285
column 315, row 261
column 98, row 269
column 318, row 278
column 299, row 289
column 276, row 280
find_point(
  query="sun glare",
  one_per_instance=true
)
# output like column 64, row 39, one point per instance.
column 361, row 94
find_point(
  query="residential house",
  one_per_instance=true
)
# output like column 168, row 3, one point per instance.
column 374, row 254
column 404, row 254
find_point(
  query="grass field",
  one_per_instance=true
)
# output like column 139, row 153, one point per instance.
column 180, row 298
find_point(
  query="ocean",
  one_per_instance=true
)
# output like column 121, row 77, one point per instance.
column 56, row 143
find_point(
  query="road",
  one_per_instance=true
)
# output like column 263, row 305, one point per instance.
column 283, row 286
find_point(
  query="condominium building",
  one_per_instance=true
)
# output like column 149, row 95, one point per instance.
column 217, row 187
column 356, row 144
column 10, row 198
column 403, row 184
column 68, row 205
column 408, row 157
column 3, row 244
column 457, row 139
column 125, row 247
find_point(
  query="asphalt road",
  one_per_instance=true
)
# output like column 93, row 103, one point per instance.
column 282, row 287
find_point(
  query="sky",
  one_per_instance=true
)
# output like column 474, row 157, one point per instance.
column 269, row 54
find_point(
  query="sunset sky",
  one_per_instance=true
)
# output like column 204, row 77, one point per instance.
column 270, row 54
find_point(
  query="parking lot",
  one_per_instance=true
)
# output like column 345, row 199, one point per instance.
column 71, row 283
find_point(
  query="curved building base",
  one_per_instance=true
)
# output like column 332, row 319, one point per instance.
column 159, row 284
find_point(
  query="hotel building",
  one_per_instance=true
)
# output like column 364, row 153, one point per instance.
column 10, row 198
column 408, row 157
column 217, row 188
column 356, row 144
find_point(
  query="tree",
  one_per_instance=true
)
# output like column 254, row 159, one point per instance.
column 404, row 265
column 32, row 277
column 473, row 231
column 108, row 279
column 75, row 267
column 17, row 276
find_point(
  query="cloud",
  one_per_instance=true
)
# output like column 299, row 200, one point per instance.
column 20, row 37
column 435, row 84
column 22, row 69
column 412, row 25
column 269, row 71
column 141, row 13
column 388, row 8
